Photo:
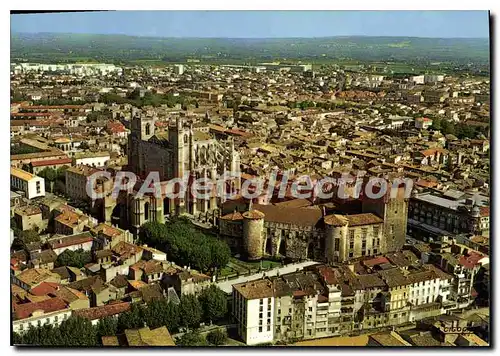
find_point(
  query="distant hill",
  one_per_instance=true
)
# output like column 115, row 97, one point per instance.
column 52, row 46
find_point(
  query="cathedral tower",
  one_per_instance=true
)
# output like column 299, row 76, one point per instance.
column 142, row 129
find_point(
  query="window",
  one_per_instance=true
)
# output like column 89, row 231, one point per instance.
column 21, row 327
column 261, row 302
column 260, row 322
column 260, row 329
column 376, row 230
column 351, row 254
column 261, row 315
column 290, row 311
column 351, row 235
column 279, row 311
column 47, row 320
column 364, row 233
column 310, row 309
column 269, row 328
column 268, row 314
column 261, row 308
column 279, row 319
column 39, row 323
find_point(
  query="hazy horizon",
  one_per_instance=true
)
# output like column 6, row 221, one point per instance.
column 241, row 38
column 259, row 24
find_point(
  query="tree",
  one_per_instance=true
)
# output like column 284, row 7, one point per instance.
column 217, row 337
column 61, row 173
column 29, row 236
column 50, row 175
column 171, row 316
column 92, row 116
column 465, row 131
column 135, row 94
column 132, row 319
column 24, row 238
column 17, row 339
column 190, row 309
column 214, row 303
column 220, row 253
column 153, row 314
column 191, row 338
column 153, row 233
column 77, row 331
column 17, row 244
column 78, row 258
column 447, row 127
column 436, row 124
column 106, row 327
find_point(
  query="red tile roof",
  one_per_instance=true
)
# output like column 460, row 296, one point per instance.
column 470, row 260
column 376, row 261
column 233, row 216
column 45, row 288
column 51, row 107
column 426, row 183
column 103, row 311
column 115, row 127
column 71, row 240
column 485, row 211
column 23, row 311
column 34, row 114
column 328, row 274
column 51, row 162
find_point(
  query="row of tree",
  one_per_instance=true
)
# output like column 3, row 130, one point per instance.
column 186, row 245
column 461, row 129
column 210, row 306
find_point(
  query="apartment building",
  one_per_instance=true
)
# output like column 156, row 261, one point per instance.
column 76, row 182
column 451, row 212
column 52, row 311
column 253, row 308
column 31, row 185
column 322, row 301
column 91, row 159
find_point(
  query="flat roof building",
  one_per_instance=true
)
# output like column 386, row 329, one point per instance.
column 31, row 185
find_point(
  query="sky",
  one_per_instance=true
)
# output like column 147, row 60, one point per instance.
column 260, row 24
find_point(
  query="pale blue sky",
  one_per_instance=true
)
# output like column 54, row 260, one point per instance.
column 261, row 24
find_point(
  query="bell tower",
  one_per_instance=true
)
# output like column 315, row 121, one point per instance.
column 142, row 129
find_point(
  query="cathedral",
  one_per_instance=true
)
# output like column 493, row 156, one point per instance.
column 175, row 153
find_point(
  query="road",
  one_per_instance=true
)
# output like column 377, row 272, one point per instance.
column 226, row 286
